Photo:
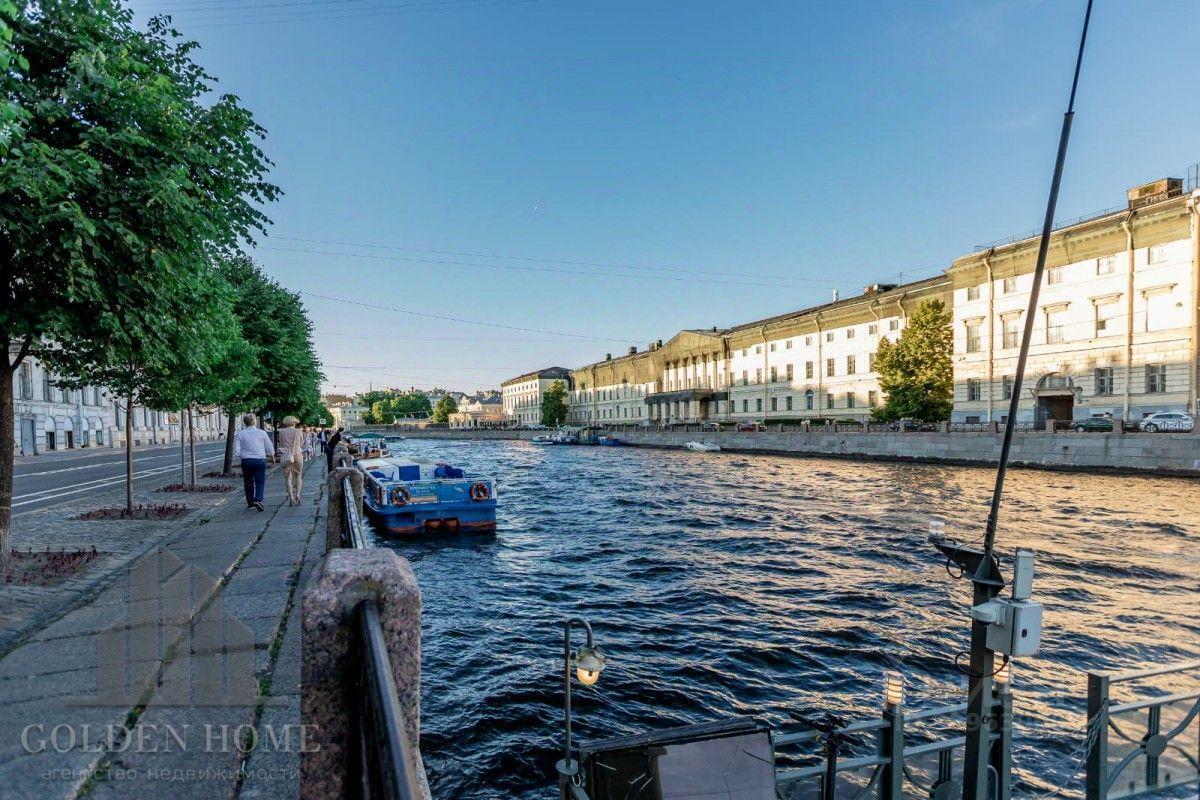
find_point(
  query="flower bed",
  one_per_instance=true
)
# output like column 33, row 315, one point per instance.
column 140, row 511
column 218, row 474
column 210, row 488
column 47, row 568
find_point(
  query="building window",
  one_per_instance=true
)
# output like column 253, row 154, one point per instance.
column 849, row 333
column 758, row 349
column 1104, row 380
column 872, row 398
column 787, row 345
column 974, row 340
column 26, row 381
column 870, row 362
column 774, row 403
column 972, row 292
column 1156, row 378
column 1055, row 327
column 745, row 405
column 808, row 341
column 829, row 400
column 1010, row 285
column 774, row 374
column 829, row 369
column 808, row 400
column 850, row 365
column 808, row 369
column 893, row 324
column 1012, row 331
column 758, row 404
column 745, row 378
column 829, row 336
column 873, row 329
column 743, row 352
column 849, row 399
column 47, row 387
column 1106, row 314
column 1054, row 276
column 772, row 347
column 974, row 390
column 1106, row 265
column 1006, row 387
column 1156, row 254
column 789, row 372
column 787, row 402
column 758, row 375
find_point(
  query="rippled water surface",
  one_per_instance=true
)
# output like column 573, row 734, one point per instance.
column 741, row 584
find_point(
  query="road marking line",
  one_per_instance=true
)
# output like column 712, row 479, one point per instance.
column 102, row 484
column 98, row 465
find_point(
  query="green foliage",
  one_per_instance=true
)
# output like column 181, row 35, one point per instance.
column 554, row 405
column 915, row 372
column 395, row 403
column 444, row 408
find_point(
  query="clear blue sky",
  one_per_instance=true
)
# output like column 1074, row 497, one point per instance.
column 773, row 151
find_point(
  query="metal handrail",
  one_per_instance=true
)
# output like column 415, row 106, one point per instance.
column 389, row 768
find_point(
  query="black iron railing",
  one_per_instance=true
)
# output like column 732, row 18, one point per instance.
column 1149, row 745
column 388, row 761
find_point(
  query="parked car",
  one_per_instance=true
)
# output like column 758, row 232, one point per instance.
column 751, row 426
column 1167, row 421
column 710, row 426
column 1093, row 424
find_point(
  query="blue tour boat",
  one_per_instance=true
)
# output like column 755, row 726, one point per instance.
column 405, row 497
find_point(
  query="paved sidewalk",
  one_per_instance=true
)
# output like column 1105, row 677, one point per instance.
column 191, row 649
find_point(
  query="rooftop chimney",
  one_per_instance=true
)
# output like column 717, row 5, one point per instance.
column 633, row 350
column 836, row 296
column 608, row 356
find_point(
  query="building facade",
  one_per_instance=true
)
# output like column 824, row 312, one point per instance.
column 521, row 397
column 1114, row 333
column 48, row 418
column 480, row 412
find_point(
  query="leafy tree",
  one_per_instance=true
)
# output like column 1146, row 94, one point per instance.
column 444, row 408
column 554, row 405
column 915, row 372
column 119, row 182
column 286, row 372
column 381, row 413
column 412, row 404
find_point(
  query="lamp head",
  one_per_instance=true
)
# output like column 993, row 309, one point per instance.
column 589, row 663
column 893, row 689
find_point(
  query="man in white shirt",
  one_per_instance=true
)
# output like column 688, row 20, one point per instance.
column 252, row 446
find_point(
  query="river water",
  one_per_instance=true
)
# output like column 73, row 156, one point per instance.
column 725, row 583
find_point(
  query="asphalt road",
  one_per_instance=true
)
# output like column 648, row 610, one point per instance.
column 43, row 481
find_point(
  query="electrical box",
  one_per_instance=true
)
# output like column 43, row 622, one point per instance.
column 1022, row 582
column 1017, row 630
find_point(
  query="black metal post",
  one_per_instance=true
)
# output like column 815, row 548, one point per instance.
column 1096, row 786
column 1002, row 745
column 568, row 768
column 986, row 578
column 891, row 747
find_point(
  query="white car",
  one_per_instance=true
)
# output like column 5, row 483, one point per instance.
column 1167, row 421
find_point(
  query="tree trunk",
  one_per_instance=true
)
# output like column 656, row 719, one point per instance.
column 129, row 453
column 192, row 445
column 227, row 465
column 6, row 467
column 182, row 452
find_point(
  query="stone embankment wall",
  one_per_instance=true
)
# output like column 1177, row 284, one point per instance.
column 1163, row 453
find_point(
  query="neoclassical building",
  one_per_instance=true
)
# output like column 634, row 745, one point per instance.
column 521, row 396
column 1115, row 328
column 813, row 363
column 48, row 418
column 1115, row 334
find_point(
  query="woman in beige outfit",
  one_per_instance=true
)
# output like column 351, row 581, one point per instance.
column 290, row 456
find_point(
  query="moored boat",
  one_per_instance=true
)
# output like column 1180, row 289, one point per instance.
column 407, row 498
column 543, row 439
column 608, row 441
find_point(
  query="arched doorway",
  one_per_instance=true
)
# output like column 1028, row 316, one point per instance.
column 1055, row 394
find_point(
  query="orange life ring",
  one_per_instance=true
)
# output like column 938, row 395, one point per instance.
column 400, row 496
column 480, row 492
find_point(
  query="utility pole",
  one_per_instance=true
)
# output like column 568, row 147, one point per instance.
column 990, row 617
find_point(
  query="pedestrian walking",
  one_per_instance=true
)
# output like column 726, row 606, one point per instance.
column 291, row 457
column 330, row 446
column 307, row 446
column 323, row 439
column 252, row 447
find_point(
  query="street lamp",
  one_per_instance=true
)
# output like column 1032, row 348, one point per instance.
column 588, row 663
